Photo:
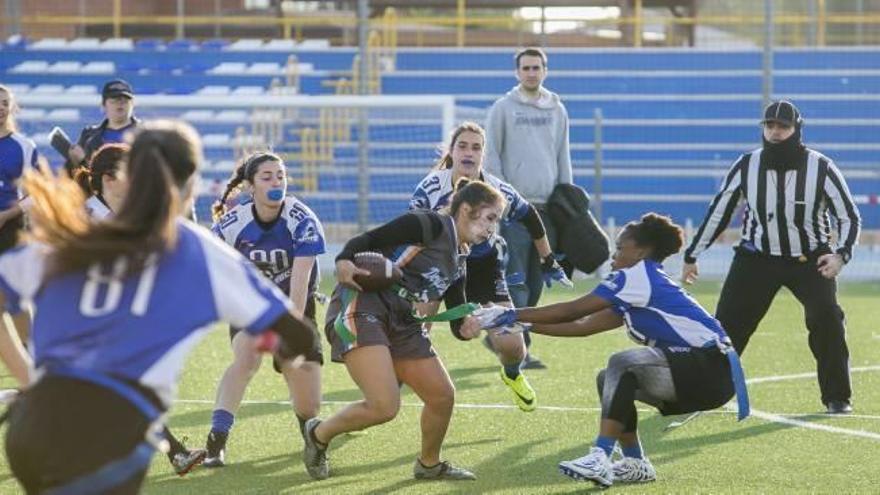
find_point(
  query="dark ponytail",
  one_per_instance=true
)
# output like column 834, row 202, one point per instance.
column 105, row 161
column 244, row 172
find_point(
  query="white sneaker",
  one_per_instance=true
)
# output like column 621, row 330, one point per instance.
column 595, row 467
column 632, row 470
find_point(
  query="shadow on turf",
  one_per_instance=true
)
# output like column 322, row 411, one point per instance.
column 662, row 446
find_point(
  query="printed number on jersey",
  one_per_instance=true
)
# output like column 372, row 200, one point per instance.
column 277, row 259
column 102, row 292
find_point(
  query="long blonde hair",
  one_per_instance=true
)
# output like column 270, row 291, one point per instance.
column 164, row 157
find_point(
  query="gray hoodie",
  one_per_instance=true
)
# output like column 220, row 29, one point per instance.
column 527, row 143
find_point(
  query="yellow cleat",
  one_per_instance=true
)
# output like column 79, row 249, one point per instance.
column 523, row 393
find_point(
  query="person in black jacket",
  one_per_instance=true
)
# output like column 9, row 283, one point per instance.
column 117, row 101
column 794, row 197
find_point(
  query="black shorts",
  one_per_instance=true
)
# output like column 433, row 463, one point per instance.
column 702, row 380
column 316, row 354
column 376, row 318
column 10, row 232
column 486, row 281
column 62, row 428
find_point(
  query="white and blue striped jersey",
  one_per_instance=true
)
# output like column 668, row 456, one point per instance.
column 297, row 232
column 657, row 311
column 138, row 327
column 434, row 193
column 16, row 152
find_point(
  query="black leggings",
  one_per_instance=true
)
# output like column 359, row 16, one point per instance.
column 62, row 429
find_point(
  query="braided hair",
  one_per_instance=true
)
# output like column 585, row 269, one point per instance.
column 244, row 172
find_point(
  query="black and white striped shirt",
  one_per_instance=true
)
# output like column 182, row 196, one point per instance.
column 788, row 212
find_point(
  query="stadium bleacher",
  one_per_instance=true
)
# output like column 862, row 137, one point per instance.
column 663, row 110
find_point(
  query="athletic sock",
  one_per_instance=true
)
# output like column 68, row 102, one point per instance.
column 634, row 450
column 606, row 444
column 512, row 370
column 221, row 421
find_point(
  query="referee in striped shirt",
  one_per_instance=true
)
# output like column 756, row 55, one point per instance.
column 795, row 197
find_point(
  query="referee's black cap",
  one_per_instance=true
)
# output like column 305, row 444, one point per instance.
column 784, row 112
column 115, row 88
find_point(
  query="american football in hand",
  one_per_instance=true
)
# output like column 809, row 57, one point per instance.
column 383, row 272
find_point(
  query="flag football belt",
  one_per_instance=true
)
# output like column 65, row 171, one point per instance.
column 348, row 336
column 739, row 380
column 118, row 471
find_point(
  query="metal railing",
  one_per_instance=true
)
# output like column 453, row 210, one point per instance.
column 817, row 28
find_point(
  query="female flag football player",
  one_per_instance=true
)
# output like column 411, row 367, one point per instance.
column 380, row 339
column 105, row 188
column 17, row 154
column 120, row 303
column 282, row 236
column 486, row 264
column 688, row 364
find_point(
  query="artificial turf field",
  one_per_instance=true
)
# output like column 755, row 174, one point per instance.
column 787, row 446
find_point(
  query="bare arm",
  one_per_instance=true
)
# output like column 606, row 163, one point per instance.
column 299, row 283
column 601, row 321
column 563, row 312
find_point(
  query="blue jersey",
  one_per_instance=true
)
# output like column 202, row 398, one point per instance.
column 657, row 311
column 139, row 327
column 16, row 152
column 273, row 246
column 434, row 193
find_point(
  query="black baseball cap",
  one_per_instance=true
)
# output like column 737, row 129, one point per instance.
column 784, row 112
column 117, row 87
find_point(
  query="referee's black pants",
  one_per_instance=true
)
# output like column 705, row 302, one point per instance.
column 750, row 287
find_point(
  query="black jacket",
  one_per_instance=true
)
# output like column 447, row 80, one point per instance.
column 92, row 137
column 580, row 238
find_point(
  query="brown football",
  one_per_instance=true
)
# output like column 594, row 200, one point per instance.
column 383, row 272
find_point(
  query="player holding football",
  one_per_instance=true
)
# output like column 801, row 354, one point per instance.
column 381, row 341
column 688, row 364
column 282, row 236
column 487, row 261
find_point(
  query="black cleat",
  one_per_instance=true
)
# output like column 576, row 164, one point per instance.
column 216, row 447
column 839, row 407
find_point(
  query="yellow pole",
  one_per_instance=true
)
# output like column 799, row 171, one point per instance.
column 637, row 24
column 117, row 18
column 459, row 21
column 820, row 33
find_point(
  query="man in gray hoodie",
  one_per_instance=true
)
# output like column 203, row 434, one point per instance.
column 527, row 147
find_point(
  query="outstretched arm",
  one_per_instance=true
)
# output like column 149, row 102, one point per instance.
column 563, row 312
column 606, row 319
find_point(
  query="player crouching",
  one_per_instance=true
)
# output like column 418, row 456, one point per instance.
column 688, row 364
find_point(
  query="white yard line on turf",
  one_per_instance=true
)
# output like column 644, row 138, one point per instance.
column 787, row 418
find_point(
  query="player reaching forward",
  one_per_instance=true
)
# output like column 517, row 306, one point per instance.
column 688, row 364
